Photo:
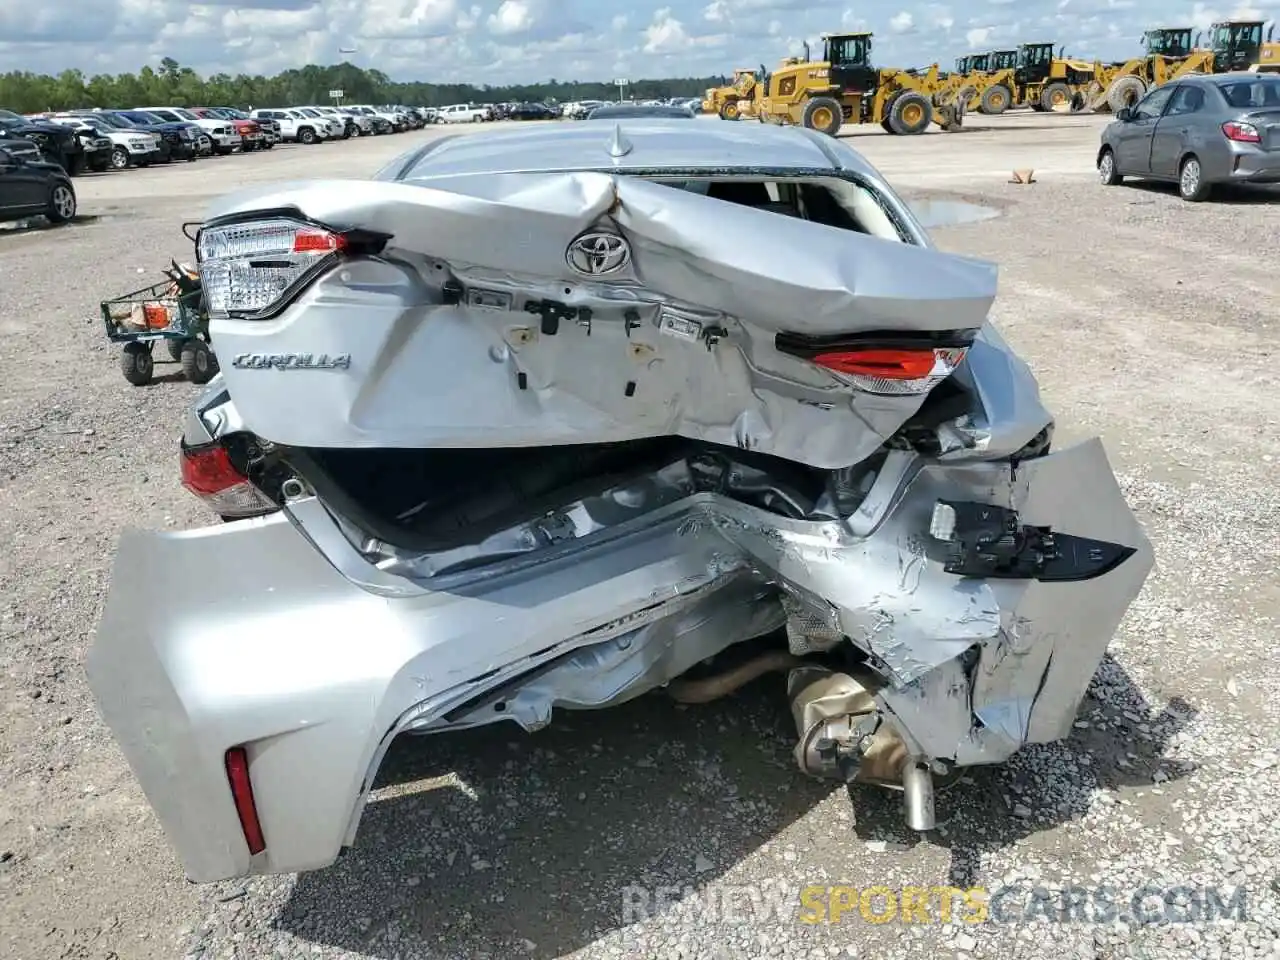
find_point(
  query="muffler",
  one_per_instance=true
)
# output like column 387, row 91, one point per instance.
column 843, row 737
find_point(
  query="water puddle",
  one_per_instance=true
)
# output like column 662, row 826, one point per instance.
column 950, row 213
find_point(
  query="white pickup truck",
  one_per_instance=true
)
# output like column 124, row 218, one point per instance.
column 295, row 127
column 465, row 113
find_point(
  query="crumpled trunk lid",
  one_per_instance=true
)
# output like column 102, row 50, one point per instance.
column 477, row 326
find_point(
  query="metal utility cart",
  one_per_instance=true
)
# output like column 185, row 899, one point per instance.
column 170, row 311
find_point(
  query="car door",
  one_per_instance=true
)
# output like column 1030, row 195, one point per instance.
column 21, row 188
column 1134, row 149
column 1175, row 131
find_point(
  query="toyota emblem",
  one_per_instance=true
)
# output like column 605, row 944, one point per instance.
column 596, row 254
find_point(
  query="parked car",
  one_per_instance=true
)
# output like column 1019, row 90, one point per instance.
column 176, row 139
column 334, row 127
column 579, row 109
column 531, row 111
column 678, row 488
column 131, row 145
column 392, row 122
column 1199, row 132
column 620, row 111
column 270, row 128
column 364, row 125
column 95, row 142
column 347, row 123
column 57, row 143
column 250, row 131
column 222, row 132
column 295, row 127
column 464, row 113
column 31, row 186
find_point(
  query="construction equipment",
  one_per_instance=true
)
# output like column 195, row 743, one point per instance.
column 1030, row 76
column 1238, row 45
column 843, row 87
column 1171, row 54
column 965, row 85
column 717, row 97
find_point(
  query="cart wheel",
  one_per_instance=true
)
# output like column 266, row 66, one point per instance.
column 175, row 346
column 198, row 364
column 136, row 364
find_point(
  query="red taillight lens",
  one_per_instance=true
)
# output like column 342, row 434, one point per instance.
column 893, row 371
column 890, row 364
column 208, row 470
column 237, row 762
column 318, row 241
column 1241, row 132
column 209, row 473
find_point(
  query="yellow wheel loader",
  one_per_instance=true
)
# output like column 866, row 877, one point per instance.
column 1234, row 45
column 1032, row 76
column 1040, row 80
column 1170, row 55
column 843, row 87
column 717, row 97
column 992, row 69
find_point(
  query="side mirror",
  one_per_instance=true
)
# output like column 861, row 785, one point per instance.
column 1124, row 114
column 6, row 156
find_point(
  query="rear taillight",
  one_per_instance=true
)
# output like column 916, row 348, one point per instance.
column 209, row 473
column 1241, row 132
column 249, row 269
column 237, row 763
column 893, row 371
column 884, row 363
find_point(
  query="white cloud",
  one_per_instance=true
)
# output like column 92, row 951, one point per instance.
column 977, row 37
column 512, row 16
column 509, row 41
column 665, row 34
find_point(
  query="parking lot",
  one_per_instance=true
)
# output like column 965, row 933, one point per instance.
column 1149, row 321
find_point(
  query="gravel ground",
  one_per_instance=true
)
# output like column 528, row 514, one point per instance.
column 1148, row 321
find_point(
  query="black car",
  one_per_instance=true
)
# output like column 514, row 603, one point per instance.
column 57, row 143
column 93, row 139
column 531, row 111
column 31, row 187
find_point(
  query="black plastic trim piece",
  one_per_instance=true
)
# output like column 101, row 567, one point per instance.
column 990, row 542
column 807, row 346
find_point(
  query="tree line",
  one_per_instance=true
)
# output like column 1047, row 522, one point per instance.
column 175, row 85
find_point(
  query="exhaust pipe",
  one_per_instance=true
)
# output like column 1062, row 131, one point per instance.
column 917, row 796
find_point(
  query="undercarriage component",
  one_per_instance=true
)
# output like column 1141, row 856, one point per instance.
column 917, row 796
column 707, row 689
column 842, row 735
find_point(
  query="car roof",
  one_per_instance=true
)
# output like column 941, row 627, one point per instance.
column 1223, row 79
column 649, row 143
column 619, row 110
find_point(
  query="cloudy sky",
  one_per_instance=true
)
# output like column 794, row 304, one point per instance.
column 502, row 41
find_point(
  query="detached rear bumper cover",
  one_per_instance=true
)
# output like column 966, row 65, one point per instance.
column 283, row 653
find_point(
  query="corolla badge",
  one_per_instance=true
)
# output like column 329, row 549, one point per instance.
column 597, row 254
column 292, row 361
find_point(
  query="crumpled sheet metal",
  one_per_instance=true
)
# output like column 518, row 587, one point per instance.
column 751, row 264
column 973, row 668
column 424, row 373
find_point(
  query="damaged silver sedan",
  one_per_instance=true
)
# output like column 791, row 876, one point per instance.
column 549, row 419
